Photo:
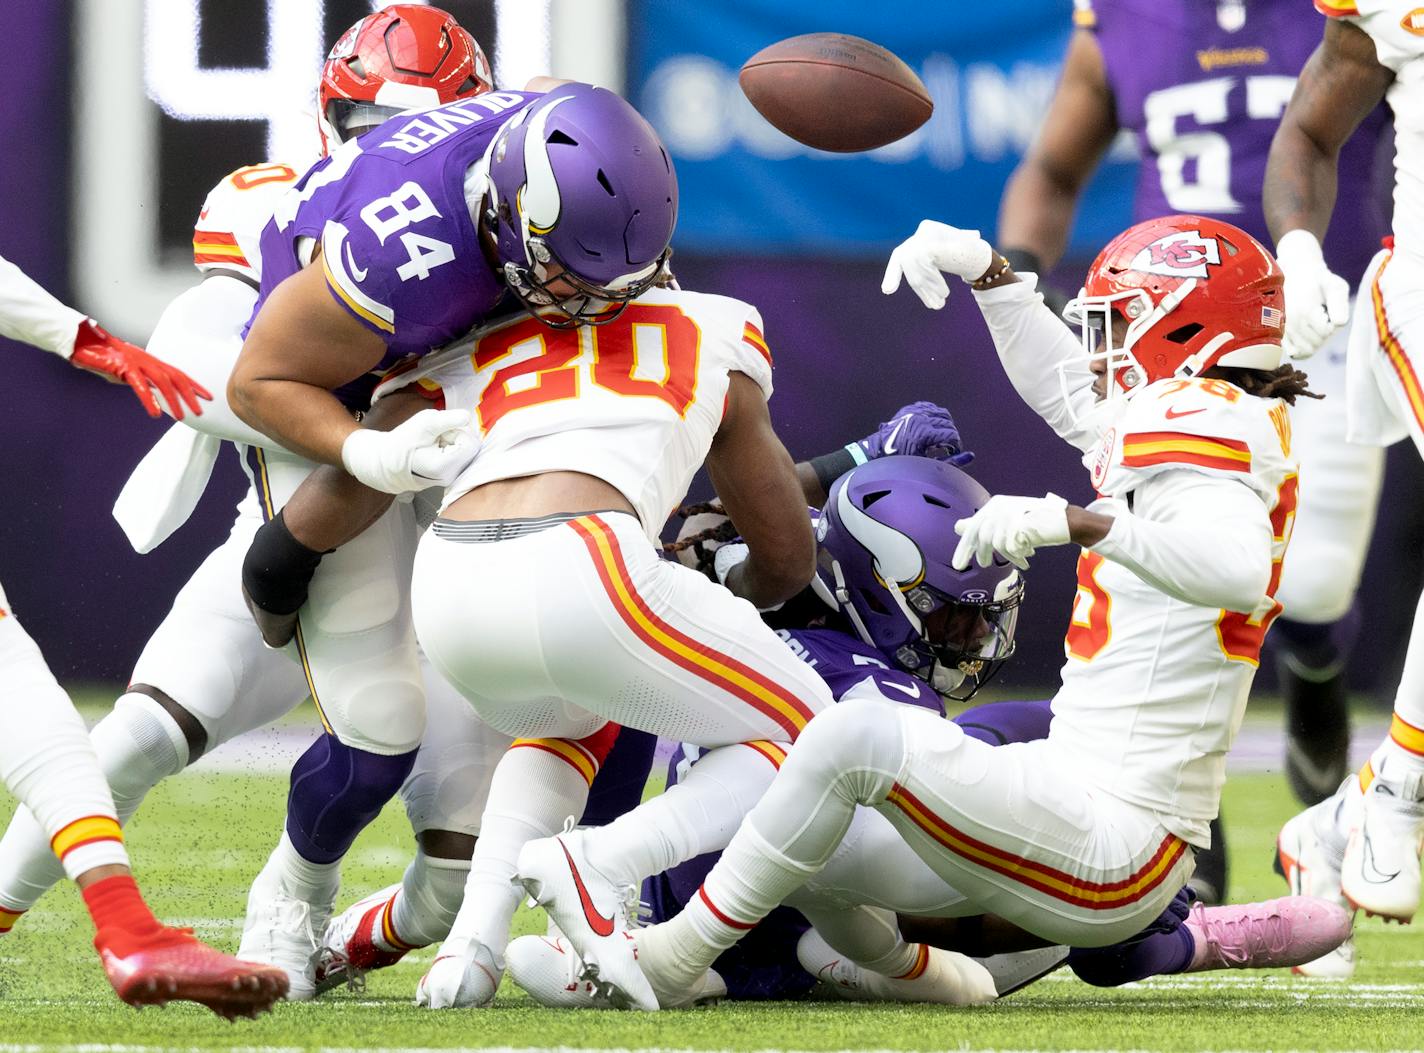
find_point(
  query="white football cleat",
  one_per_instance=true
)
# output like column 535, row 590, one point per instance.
column 551, row 971
column 941, row 977
column 280, row 929
column 1380, row 871
column 1309, row 850
column 348, row 946
column 1014, row 970
column 464, row 976
column 593, row 914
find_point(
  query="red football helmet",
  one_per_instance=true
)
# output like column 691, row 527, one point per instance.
column 1193, row 292
column 403, row 57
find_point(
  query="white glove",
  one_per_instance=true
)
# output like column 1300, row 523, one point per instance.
column 728, row 556
column 1013, row 527
column 430, row 449
column 936, row 247
column 1317, row 301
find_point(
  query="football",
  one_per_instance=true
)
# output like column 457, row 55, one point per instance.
column 836, row 92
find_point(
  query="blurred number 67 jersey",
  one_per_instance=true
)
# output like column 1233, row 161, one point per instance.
column 1202, row 85
column 635, row 401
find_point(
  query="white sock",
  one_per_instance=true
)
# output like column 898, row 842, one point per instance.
column 748, row 881
column 533, row 792
column 868, row 936
column 300, row 876
column 427, row 902
column 138, row 745
column 1402, row 752
column 700, row 814
column 48, row 762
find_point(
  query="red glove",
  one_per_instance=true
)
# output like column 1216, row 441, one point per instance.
column 101, row 352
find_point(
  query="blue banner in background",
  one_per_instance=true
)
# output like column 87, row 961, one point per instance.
column 990, row 69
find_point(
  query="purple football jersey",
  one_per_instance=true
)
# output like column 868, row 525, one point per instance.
column 399, row 247
column 1202, row 85
column 842, row 662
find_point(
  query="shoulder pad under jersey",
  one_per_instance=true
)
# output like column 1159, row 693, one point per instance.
column 733, row 324
column 228, row 233
column 1201, row 425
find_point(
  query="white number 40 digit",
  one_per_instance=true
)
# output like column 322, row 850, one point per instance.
column 388, row 215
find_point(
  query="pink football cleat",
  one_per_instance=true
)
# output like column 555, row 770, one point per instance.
column 1275, row 934
column 173, row 966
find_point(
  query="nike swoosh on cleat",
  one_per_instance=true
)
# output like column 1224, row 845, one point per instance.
column 601, row 925
column 1369, row 867
column 1173, row 414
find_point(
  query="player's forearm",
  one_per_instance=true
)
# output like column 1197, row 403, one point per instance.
column 331, row 507
column 1301, row 181
column 1343, row 80
column 307, row 420
column 31, row 315
column 1041, row 358
column 811, row 486
column 1035, row 216
column 1205, row 542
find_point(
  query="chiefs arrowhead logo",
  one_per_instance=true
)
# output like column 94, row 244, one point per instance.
column 1183, row 254
column 1413, row 22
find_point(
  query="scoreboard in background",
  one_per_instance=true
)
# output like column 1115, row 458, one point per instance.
column 193, row 89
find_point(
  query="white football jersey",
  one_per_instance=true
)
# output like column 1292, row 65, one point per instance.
column 1397, row 30
column 634, row 402
column 228, row 233
column 1154, row 688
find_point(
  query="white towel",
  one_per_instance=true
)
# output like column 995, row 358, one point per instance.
column 164, row 489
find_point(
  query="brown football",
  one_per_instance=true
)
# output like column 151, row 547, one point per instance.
column 836, row 92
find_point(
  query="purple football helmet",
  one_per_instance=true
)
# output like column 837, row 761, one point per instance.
column 581, row 190
column 886, row 540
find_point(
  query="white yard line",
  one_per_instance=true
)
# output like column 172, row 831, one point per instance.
column 107, row 1048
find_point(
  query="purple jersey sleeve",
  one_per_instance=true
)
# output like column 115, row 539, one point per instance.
column 844, row 662
column 1202, row 86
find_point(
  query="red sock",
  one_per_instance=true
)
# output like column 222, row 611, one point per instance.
column 121, row 917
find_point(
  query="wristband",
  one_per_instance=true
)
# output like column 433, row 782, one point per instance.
column 831, row 466
column 989, row 279
column 278, row 568
column 1022, row 260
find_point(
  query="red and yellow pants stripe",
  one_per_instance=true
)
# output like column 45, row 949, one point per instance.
column 665, row 640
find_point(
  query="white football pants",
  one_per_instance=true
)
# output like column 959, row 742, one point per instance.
column 560, row 630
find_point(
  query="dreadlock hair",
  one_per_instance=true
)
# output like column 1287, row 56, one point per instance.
column 705, row 542
column 1285, row 383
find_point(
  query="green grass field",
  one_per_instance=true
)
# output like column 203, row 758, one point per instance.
column 201, row 837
